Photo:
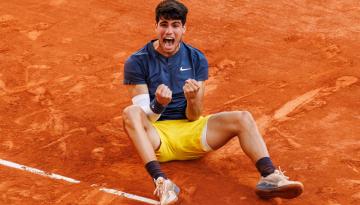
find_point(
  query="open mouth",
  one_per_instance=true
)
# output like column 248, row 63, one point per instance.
column 168, row 42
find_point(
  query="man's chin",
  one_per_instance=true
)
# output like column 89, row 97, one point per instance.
column 169, row 51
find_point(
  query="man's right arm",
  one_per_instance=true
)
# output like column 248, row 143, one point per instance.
column 140, row 97
column 135, row 80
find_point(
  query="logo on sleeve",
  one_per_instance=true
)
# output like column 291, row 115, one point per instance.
column 184, row 69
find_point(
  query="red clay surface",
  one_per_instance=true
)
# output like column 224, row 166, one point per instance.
column 293, row 64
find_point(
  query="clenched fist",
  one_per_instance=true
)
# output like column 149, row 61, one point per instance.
column 191, row 88
column 163, row 95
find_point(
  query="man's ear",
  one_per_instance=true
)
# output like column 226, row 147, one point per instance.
column 184, row 27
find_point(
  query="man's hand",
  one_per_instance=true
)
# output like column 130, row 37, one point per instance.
column 194, row 92
column 191, row 89
column 163, row 95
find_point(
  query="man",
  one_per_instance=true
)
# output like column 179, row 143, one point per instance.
column 166, row 81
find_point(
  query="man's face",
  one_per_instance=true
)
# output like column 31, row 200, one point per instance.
column 169, row 33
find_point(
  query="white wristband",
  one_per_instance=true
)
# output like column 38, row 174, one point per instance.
column 143, row 100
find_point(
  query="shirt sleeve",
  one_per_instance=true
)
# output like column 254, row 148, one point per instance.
column 133, row 72
column 202, row 70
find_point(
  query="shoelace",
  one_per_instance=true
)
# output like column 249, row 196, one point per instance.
column 282, row 173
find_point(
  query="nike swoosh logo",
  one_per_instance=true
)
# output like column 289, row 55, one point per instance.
column 184, row 69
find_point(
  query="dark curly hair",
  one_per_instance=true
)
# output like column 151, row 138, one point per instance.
column 171, row 10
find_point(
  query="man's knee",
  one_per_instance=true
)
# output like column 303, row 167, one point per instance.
column 132, row 114
column 244, row 118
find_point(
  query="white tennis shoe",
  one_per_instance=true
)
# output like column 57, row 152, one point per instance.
column 166, row 190
column 278, row 185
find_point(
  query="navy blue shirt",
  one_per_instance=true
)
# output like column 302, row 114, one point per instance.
column 147, row 66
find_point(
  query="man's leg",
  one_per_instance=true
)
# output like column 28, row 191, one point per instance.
column 226, row 125
column 141, row 132
column 146, row 139
column 223, row 126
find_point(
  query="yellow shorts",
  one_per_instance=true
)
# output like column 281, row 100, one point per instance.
column 182, row 139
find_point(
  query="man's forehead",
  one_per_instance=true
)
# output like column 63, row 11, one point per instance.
column 163, row 20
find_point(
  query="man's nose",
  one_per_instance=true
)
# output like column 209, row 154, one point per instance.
column 169, row 30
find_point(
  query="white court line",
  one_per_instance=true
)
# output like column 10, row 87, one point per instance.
column 74, row 181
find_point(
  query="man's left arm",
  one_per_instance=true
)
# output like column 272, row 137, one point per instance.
column 194, row 94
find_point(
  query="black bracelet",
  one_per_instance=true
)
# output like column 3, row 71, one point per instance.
column 156, row 107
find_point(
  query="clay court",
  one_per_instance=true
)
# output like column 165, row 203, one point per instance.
column 295, row 65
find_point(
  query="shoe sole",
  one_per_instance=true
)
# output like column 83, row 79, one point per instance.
column 286, row 192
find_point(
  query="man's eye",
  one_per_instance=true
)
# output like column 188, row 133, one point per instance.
column 177, row 25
